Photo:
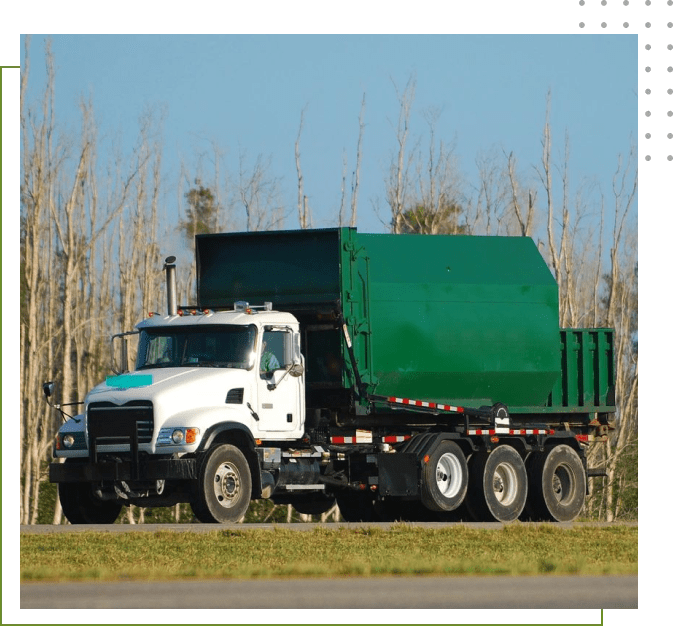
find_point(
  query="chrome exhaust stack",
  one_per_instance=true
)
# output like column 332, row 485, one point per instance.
column 171, row 286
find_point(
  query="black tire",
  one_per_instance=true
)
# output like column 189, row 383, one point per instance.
column 313, row 504
column 357, row 506
column 444, row 478
column 224, row 486
column 557, row 485
column 498, row 485
column 81, row 506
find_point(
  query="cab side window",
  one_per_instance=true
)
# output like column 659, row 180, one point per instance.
column 274, row 351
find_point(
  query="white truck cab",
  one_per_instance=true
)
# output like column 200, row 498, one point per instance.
column 204, row 368
column 243, row 365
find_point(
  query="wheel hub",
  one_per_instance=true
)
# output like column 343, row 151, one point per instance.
column 448, row 475
column 505, row 484
column 227, row 484
column 563, row 484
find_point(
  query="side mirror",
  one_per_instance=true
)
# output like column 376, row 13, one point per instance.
column 296, row 370
column 124, row 351
column 48, row 389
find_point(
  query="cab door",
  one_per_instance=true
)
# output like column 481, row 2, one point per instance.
column 280, row 389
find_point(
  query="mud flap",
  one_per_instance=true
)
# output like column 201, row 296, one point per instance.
column 399, row 474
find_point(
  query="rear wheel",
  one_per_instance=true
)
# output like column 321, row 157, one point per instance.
column 224, row 486
column 444, row 478
column 81, row 506
column 557, row 485
column 498, row 485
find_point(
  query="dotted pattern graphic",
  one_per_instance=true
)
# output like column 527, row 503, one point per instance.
column 652, row 21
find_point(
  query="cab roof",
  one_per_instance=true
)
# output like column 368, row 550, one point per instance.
column 199, row 318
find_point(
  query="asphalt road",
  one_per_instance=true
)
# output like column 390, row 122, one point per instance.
column 508, row 592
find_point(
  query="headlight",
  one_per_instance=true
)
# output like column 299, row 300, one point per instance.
column 177, row 436
column 70, row 441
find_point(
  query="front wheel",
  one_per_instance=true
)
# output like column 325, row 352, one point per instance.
column 444, row 478
column 498, row 485
column 81, row 506
column 557, row 485
column 224, row 487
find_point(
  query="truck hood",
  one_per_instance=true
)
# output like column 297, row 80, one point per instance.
column 173, row 390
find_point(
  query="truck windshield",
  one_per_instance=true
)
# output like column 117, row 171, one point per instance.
column 197, row 346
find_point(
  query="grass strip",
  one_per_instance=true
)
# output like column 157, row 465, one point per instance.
column 516, row 549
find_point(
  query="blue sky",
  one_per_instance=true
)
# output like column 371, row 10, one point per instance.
column 246, row 93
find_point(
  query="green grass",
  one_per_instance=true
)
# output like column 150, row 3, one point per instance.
column 516, row 549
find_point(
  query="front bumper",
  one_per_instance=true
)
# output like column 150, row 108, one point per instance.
column 146, row 469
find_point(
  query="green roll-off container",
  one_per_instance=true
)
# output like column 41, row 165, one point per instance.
column 463, row 320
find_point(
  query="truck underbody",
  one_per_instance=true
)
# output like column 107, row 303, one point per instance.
column 426, row 467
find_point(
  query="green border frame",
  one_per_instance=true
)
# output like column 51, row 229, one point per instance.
column 458, row 16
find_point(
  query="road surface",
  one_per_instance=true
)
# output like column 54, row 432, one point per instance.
column 470, row 592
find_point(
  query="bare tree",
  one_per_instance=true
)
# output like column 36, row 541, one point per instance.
column 342, row 203
column 358, row 163
column 209, row 206
column 355, row 178
column 621, row 300
column 259, row 195
column 574, row 244
column 303, row 211
column 525, row 221
column 437, row 208
column 65, row 260
column 398, row 180
column 423, row 192
column 486, row 212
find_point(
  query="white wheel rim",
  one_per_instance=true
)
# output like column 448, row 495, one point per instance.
column 227, row 485
column 449, row 475
column 505, row 484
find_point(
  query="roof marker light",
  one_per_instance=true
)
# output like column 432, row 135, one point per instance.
column 245, row 307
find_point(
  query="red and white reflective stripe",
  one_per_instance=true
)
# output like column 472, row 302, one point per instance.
column 427, row 405
column 344, row 440
column 509, row 431
column 365, row 439
column 529, row 431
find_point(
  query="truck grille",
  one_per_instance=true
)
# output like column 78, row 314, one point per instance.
column 112, row 424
